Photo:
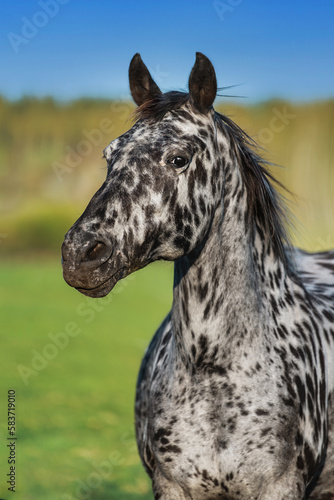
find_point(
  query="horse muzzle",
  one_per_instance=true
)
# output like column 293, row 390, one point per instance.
column 91, row 266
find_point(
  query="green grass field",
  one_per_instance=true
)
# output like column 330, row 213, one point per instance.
column 75, row 394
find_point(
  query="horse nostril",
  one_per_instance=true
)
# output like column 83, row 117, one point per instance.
column 97, row 251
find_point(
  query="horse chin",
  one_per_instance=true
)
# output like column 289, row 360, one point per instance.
column 99, row 291
column 104, row 288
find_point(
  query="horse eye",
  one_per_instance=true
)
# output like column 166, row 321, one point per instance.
column 179, row 161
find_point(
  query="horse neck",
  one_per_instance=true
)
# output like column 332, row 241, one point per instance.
column 221, row 294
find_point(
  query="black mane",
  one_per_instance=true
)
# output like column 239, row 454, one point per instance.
column 264, row 202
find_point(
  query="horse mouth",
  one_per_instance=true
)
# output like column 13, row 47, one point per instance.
column 104, row 288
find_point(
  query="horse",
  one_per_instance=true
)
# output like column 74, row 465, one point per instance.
column 234, row 397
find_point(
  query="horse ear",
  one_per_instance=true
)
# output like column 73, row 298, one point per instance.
column 143, row 87
column 202, row 84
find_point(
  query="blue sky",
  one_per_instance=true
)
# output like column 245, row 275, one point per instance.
column 74, row 48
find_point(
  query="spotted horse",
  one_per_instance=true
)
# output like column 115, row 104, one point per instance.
column 235, row 392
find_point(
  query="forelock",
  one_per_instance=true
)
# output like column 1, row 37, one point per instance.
column 157, row 108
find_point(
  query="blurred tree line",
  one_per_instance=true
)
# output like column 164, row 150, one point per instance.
column 51, row 163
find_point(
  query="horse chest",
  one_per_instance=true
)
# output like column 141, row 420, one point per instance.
column 201, row 440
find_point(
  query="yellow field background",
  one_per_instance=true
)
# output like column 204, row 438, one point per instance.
column 51, row 163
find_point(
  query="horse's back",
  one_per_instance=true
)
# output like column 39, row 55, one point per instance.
column 316, row 271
